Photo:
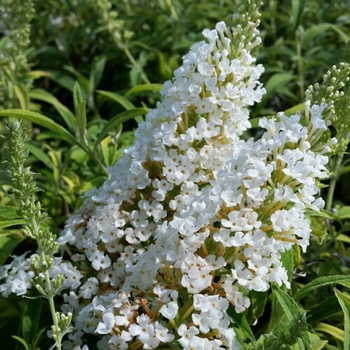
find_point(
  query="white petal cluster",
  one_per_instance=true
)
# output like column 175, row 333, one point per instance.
column 17, row 276
column 193, row 216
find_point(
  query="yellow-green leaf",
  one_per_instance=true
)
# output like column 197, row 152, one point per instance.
column 145, row 87
column 333, row 331
column 344, row 301
column 119, row 119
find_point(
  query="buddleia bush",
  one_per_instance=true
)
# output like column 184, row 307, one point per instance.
column 195, row 219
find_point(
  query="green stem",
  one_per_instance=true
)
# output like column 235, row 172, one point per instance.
column 93, row 155
column 135, row 64
column 49, row 296
column 332, row 184
column 336, row 173
column 300, row 64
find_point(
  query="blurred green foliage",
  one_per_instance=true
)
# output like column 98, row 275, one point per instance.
column 90, row 67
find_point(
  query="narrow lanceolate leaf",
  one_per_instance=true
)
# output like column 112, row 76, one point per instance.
column 123, row 101
column 320, row 282
column 96, row 73
column 109, row 151
column 39, row 154
column 145, row 87
column 297, row 11
column 335, row 332
column 83, row 82
column 22, row 96
column 344, row 301
column 320, row 29
column 81, row 118
column 288, row 304
column 77, row 96
column 65, row 113
column 40, row 119
column 22, row 341
column 119, row 119
column 80, row 111
column 274, row 83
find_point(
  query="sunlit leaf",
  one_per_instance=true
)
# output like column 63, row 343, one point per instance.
column 335, row 332
column 113, row 124
column 144, row 87
column 343, row 213
column 40, row 120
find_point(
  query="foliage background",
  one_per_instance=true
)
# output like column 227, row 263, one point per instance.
column 115, row 49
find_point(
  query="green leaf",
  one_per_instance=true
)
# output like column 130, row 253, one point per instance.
column 145, row 87
column 277, row 309
column 318, row 283
column 321, row 28
column 297, row 11
column 81, row 118
column 41, row 120
column 344, row 301
column 316, row 343
column 258, row 304
column 119, row 119
column 342, row 35
column 241, row 321
column 273, row 84
column 39, row 154
column 343, row 213
column 31, row 319
column 37, row 336
column 62, row 79
column 9, row 223
column 7, row 245
column 22, row 341
column 321, row 310
column 8, row 212
column 335, row 332
column 83, row 82
column 77, row 96
column 343, row 238
column 22, row 94
column 288, row 304
column 296, row 317
column 96, row 73
column 65, row 113
column 123, row 101
column 323, row 214
column 294, row 109
column 109, row 152
column 288, row 263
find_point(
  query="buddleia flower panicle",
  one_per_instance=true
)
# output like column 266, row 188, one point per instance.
column 194, row 217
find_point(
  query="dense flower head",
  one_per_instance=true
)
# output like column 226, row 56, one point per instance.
column 193, row 216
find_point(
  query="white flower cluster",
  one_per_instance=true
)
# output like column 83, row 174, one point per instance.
column 193, row 216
